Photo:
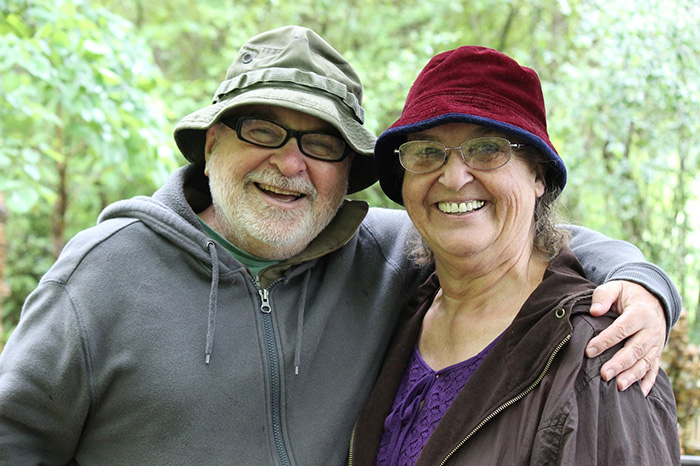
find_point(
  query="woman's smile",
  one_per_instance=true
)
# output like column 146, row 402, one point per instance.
column 460, row 207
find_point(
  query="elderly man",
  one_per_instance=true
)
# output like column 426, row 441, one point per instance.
column 240, row 315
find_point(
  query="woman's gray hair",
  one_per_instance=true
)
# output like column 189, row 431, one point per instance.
column 547, row 238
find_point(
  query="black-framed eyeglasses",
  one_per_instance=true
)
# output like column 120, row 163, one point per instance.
column 265, row 133
column 484, row 154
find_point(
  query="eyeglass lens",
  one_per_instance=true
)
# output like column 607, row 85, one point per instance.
column 269, row 134
column 479, row 153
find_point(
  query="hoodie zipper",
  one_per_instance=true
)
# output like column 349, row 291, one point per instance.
column 274, row 373
column 509, row 402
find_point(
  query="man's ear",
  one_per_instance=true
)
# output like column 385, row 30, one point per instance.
column 211, row 136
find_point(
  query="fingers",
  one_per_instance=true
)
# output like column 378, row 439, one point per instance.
column 639, row 359
column 624, row 326
column 630, row 360
column 645, row 369
column 642, row 324
column 605, row 296
column 649, row 379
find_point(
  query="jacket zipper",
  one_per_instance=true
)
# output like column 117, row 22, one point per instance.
column 274, row 373
column 509, row 402
column 351, row 452
column 487, row 418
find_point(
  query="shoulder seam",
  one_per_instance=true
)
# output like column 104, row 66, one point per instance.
column 50, row 279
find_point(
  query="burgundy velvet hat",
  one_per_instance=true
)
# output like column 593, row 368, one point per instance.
column 474, row 85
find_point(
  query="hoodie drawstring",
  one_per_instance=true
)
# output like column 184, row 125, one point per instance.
column 300, row 322
column 213, row 295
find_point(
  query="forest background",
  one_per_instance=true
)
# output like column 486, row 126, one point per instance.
column 90, row 93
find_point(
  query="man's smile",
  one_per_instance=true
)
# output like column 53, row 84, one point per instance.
column 279, row 193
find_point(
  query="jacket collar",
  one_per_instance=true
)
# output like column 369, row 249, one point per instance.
column 514, row 363
column 336, row 235
column 520, row 357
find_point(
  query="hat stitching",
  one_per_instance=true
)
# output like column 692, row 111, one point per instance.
column 209, row 115
column 275, row 101
column 307, row 79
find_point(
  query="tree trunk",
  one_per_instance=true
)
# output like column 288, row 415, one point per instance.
column 58, row 217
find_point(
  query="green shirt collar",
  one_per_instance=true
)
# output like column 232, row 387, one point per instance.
column 253, row 263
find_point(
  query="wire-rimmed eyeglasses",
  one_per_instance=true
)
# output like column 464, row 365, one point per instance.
column 488, row 153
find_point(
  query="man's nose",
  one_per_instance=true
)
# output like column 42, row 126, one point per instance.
column 289, row 159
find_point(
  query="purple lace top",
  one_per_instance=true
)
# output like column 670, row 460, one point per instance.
column 421, row 400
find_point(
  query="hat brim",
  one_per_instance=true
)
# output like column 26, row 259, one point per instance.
column 391, row 172
column 190, row 132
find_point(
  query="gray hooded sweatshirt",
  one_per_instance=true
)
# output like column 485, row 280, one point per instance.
column 148, row 343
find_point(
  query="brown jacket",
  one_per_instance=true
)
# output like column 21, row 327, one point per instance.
column 535, row 399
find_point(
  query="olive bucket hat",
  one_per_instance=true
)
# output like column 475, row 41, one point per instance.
column 291, row 67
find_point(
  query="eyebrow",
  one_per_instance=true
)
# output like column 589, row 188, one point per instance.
column 486, row 131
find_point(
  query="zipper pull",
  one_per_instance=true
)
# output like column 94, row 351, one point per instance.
column 265, row 304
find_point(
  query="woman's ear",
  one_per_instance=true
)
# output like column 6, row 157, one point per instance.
column 539, row 187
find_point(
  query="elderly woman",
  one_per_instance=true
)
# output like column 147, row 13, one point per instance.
column 487, row 366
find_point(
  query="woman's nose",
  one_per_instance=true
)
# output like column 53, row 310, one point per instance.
column 455, row 172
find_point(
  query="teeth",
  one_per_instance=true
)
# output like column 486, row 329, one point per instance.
column 461, row 207
column 267, row 187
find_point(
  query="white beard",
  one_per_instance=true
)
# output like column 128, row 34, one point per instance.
column 242, row 216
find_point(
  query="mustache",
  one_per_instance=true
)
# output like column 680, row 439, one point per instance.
column 275, row 178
